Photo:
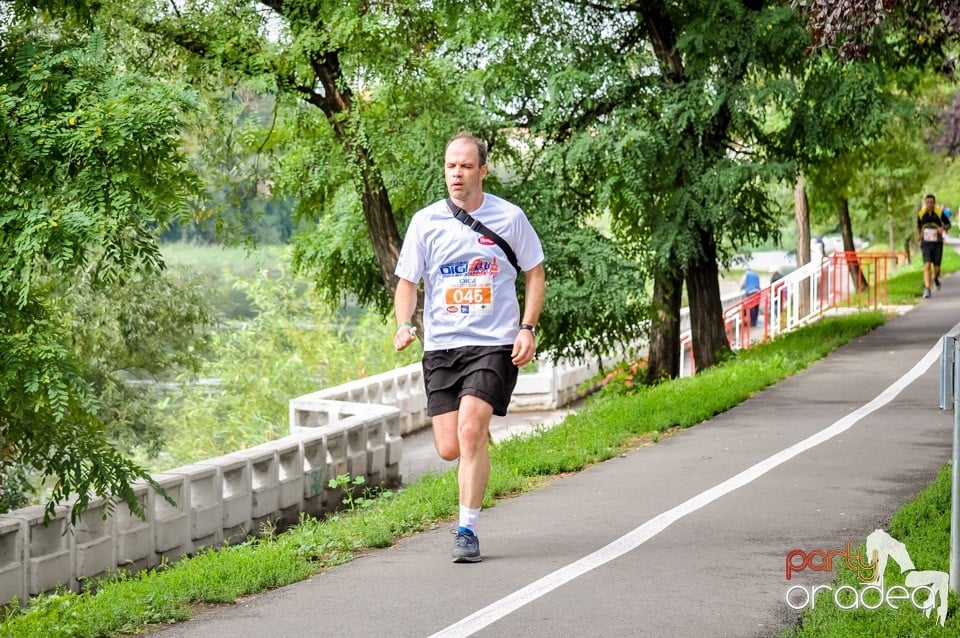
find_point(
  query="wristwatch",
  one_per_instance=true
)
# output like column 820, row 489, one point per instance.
column 527, row 326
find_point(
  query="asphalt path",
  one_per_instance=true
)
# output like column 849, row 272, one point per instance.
column 687, row 537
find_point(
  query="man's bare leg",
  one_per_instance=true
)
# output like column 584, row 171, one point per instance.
column 445, row 436
column 465, row 433
column 473, row 430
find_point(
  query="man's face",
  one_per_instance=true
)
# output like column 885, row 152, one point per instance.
column 462, row 170
column 929, row 203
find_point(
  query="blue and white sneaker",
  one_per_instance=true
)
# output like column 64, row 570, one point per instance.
column 466, row 546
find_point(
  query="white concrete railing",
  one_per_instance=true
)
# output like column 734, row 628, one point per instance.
column 220, row 500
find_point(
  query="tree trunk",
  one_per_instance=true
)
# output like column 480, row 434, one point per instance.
column 802, row 215
column 890, row 235
column 663, row 357
column 706, row 310
column 846, row 231
column 703, row 285
column 336, row 102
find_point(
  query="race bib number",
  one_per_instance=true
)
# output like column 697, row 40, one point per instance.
column 469, row 295
column 931, row 233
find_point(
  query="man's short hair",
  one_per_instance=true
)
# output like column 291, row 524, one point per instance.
column 481, row 146
column 933, row 197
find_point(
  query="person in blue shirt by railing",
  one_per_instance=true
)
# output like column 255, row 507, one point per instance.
column 749, row 285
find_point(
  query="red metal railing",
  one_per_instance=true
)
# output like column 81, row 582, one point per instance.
column 844, row 279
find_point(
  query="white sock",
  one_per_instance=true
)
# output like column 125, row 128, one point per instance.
column 468, row 518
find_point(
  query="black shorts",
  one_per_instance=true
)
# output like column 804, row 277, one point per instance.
column 932, row 252
column 486, row 372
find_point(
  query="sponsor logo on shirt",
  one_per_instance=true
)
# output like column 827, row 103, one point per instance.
column 478, row 266
column 486, row 241
column 454, row 268
column 481, row 266
column 452, row 309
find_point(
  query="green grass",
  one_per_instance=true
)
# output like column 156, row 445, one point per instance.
column 924, row 526
column 602, row 430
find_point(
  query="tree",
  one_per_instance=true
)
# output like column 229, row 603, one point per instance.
column 868, row 77
column 324, row 51
column 90, row 167
column 128, row 337
column 665, row 98
column 949, row 140
column 369, row 93
column 853, row 26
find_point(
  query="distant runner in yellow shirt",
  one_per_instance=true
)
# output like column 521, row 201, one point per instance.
column 932, row 227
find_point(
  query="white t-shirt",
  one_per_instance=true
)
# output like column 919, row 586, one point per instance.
column 469, row 284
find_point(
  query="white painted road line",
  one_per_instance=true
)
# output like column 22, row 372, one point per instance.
column 630, row 541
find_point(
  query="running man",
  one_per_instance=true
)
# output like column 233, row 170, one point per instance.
column 474, row 339
column 932, row 227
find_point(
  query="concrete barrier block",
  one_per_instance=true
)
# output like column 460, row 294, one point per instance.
column 361, row 394
column 538, row 383
column 264, row 484
column 289, row 476
column 289, row 471
column 337, row 464
column 94, row 542
column 235, row 497
column 313, row 447
column 418, row 394
column 404, row 388
column 356, row 447
column 306, row 418
column 134, row 534
column 411, row 402
column 49, row 557
column 204, row 487
column 13, row 547
column 393, row 439
column 417, row 419
column 171, row 522
column 389, row 391
column 318, row 413
column 418, row 404
column 376, row 433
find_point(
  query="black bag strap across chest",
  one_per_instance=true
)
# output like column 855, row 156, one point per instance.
column 479, row 227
